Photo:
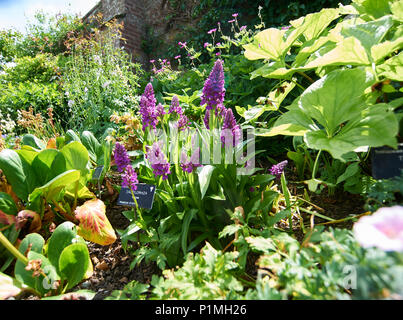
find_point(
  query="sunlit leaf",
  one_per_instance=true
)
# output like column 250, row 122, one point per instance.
column 94, row 225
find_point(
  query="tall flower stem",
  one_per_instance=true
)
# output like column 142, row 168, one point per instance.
column 136, row 209
column 13, row 250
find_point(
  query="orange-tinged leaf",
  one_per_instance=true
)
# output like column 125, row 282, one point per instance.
column 93, row 224
column 26, row 215
column 6, row 219
column 51, row 144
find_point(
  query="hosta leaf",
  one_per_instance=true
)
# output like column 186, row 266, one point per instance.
column 385, row 48
column 71, row 136
column 268, row 44
column 94, row 225
column 377, row 127
column 349, row 51
column 315, row 23
column 370, row 33
column 373, row 8
column 336, row 98
column 393, row 68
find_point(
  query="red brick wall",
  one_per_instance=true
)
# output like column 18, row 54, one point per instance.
column 137, row 16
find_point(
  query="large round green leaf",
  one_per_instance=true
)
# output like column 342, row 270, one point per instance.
column 62, row 237
column 21, row 274
column 73, row 263
column 11, row 165
column 42, row 164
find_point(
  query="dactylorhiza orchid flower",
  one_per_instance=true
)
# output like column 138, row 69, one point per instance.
column 175, row 107
column 188, row 165
column 230, row 130
column 277, row 169
column 158, row 161
column 129, row 178
column 214, row 90
column 383, row 229
column 121, row 157
column 148, row 110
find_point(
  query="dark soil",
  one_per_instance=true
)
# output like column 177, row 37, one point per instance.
column 112, row 264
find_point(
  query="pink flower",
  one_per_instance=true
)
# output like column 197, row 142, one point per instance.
column 383, row 229
column 206, row 44
column 212, row 30
column 242, row 28
column 231, row 21
column 177, row 57
column 235, row 15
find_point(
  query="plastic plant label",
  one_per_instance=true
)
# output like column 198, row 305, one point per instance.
column 144, row 196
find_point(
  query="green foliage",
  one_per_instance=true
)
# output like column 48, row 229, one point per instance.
column 326, row 265
column 204, row 276
column 64, row 261
column 98, row 80
column 384, row 192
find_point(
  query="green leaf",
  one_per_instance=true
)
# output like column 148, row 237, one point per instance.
column 261, row 244
column 7, row 204
column 315, row 23
column 93, row 146
column 229, row 230
column 42, row 164
column 16, row 172
column 385, row 48
column 31, row 140
column 62, row 237
column 370, row 33
column 73, row 263
column 42, row 284
column 397, row 10
column 204, row 178
column 373, row 8
column 268, row 44
column 349, row 51
column 52, row 190
column 71, row 136
column 377, row 127
column 351, row 170
column 336, row 98
column 393, row 68
column 36, row 242
column 76, row 157
column 189, row 216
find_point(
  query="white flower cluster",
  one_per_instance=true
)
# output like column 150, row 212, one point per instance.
column 6, row 123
